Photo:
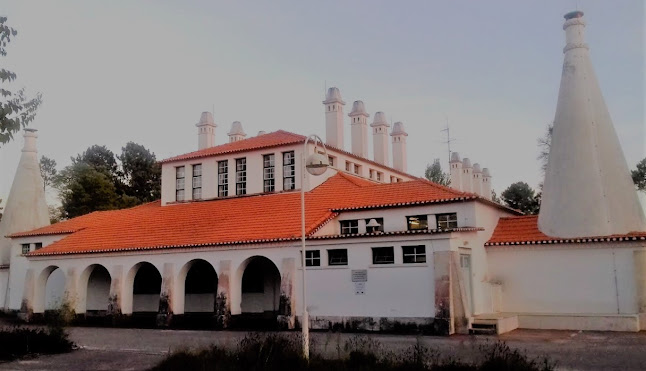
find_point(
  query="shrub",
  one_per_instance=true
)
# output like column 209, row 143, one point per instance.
column 19, row 341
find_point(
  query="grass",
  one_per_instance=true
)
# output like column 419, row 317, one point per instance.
column 283, row 352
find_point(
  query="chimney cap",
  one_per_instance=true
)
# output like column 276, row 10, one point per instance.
column 206, row 119
column 455, row 157
column 573, row 14
column 466, row 163
column 262, row 132
column 333, row 96
column 236, row 129
column 358, row 108
column 398, row 129
column 476, row 168
column 485, row 172
column 380, row 120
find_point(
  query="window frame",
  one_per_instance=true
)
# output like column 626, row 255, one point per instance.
column 383, row 251
column 38, row 246
column 449, row 222
column 223, row 178
column 241, row 176
column 180, row 179
column 269, row 172
column 343, row 252
column 26, row 248
column 415, row 254
column 420, row 217
column 289, row 167
column 196, row 179
column 312, row 258
column 379, row 229
column 348, row 229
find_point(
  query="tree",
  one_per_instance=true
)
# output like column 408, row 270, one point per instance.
column 100, row 158
column 16, row 110
column 47, row 170
column 639, row 175
column 544, row 144
column 435, row 174
column 141, row 172
column 494, row 197
column 521, row 196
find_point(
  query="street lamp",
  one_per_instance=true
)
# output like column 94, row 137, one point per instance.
column 315, row 164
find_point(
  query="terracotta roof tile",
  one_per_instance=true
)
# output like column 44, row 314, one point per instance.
column 523, row 230
column 268, row 217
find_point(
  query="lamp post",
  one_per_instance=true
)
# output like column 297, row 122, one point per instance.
column 315, row 164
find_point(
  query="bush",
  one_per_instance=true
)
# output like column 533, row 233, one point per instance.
column 18, row 342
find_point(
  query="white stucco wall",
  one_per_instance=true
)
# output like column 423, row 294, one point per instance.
column 569, row 278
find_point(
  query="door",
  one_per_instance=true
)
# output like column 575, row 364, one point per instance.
column 465, row 268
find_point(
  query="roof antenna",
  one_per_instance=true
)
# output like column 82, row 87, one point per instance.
column 448, row 138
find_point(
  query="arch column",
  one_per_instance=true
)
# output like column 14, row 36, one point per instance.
column 167, row 296
column 223, row 297
column 26, row 306
column 118, row 302
column 287, row 309
column 70, row 297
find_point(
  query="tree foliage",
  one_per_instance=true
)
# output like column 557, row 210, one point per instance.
column 96, row 181
column 522, row 197
column 639, row 175
column 544, row 144
column 16, row 110
column 435, row 174
column 47, row 170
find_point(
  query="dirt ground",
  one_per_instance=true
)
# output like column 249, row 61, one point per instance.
column 139, row 349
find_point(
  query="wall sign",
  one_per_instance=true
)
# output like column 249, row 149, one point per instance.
column 359, row 288
column 360, row 275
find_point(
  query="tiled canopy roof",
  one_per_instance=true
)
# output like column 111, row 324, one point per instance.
column 523, row 230
column 235, row 220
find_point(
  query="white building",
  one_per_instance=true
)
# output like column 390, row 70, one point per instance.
column 385, row 250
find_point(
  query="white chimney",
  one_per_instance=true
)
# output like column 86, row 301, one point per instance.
column 334, row 118
column 486, row 183
column 467, row 175
column 588, row 190
column 399, row 147
column 380, row 138
column 236, row 132
column 456, row 171
column 359, row 129
column 477, row 179
column 206, row 131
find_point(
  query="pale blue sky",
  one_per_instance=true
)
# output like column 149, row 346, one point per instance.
column 119, row 71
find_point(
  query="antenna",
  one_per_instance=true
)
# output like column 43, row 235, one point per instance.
column 449, row 140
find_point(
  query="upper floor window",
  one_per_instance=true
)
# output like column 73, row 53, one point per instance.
column 357, row 169
column 371, row 173
column 268, row 173
column 25, row 248
column 371, row 228
column 38, row 245
column 312, row 258
column 289, row 171
column 348, row 166
column 417, row 222
column 337, row 257
column 197, row 181
column 223, row 178
column 179, row 183
column 330, row 160
column 383, row 255
column 379, row 176
column 241, row 176
column 446, row 221
column 414, row 254
column 349, row 226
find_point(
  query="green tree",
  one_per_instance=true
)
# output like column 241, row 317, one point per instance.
column 47, row 170
column 639, row 175
column 16, row 110
column 141, row 172
column 522, row 197
column 101, row 159
column 435, row 174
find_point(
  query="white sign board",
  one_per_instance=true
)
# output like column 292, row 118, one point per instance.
column 359, row 288
column 360, row 275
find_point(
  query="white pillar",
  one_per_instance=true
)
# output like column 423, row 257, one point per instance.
column 456, row 171
column 334, row 118
column 380, row 139
column 477, row 179
column 486, row 184
column 206, row 131
column 399, row 147
column 467, row 174
column 359, row 129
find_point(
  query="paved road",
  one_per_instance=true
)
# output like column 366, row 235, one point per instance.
column 138, row 349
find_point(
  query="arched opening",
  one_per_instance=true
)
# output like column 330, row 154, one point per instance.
column 98, row 291
column 54, row 288
column 260, row 291
column 146, row 289
column 200, row 288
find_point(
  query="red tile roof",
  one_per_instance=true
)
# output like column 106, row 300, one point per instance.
column 523, row 230
column 265, row 218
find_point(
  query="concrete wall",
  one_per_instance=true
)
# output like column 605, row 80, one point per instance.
column 569, row 278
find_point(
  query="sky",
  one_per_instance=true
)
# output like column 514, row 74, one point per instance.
column 120, row 71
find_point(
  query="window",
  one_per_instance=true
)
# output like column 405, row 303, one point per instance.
column 414, row 254
column 379, row 176
column 312, row 258
column 357, row 169
column 417, row 222
column 223, row 178
column 446, row 221
column 241, row 176
column 373, row 228
column 337, row 257
column 349, row 226
column 348, row 166
column 371, row 173
column 383, row 255
column 393, row 179
column 197, row 181
column 25, row 248
column 330, row 160
column 38, row 245
column 179, row 183
column 268, row 173
column 289, row 171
